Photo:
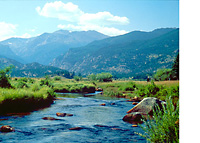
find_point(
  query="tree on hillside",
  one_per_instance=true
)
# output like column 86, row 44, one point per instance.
column 162, row 74
column 4, row 77
column 104, row 77
column 175, row 68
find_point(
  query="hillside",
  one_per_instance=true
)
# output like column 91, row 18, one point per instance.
column 136, row 54
column 44, row 48
column 32, row 69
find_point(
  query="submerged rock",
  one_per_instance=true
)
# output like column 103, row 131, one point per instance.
column 49, row 118
column 63, row 114
column 76, row 128
column 7, row 128
column 103, row 104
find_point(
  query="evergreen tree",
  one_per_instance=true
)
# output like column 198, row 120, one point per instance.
column 175, row 68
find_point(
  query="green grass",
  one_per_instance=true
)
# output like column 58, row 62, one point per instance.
column 25, row 99
column 163, row 127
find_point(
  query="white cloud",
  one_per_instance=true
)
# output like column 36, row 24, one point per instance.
column 6, row 30
column 111, row 31
column 103, row 18
column 26, row 35
column 101, row 21
column 58, row 9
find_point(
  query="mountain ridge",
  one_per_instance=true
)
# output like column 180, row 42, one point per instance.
column 124, row 55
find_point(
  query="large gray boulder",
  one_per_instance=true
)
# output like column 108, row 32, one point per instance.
column 147, row 105
column 142, row 109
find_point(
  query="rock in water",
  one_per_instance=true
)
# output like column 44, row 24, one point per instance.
column 49, row 118
column 135, row 117
column 61, row 114
column 7, row 128
column 146, row 106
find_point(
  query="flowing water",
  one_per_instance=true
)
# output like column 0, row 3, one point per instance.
column 99, row 124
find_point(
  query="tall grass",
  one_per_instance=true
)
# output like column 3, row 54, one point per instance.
column 164, row 127
column 25, row 99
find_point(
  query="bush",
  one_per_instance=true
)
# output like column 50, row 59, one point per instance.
column 57, row 78
column 104, row 77
column 164, row 127
column 30, row 80
column 162, row 74
column 130, row 86
column 46, row 82
column 35, row 87
column 23, row 79
column 22, row 84
column 78, row 78
column 4, row 77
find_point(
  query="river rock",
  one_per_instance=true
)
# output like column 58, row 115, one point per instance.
column 146, row 106
column 103, row 104
column 61, row 114
column 76, row 128
column 135, row 99
column 7, row 128
column 135, row 117
column 99, row 89
column 134, row 103
column 49, row 118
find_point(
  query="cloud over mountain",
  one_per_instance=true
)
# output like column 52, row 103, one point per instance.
column 79, row 20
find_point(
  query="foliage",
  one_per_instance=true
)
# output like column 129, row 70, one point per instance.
column 46, row 81
column 175, row 69
column 162, row 74
column 23, row 79
column 4, row 77
column 104, row 77
column 57, row 78
column 22, row 84
column 92, row 77
column 74, row 88
column 164, row 127
column 78, row 78
column 19, row 100
column 130, row 86
column 30, row 80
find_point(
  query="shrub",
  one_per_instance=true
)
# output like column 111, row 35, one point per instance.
column 23, row 79
column 57, row 78
column 104, row 77
column 22, row 84
column 46, row 82
column 164, row 127
column 35, row 87
column 4, row 77
column 130, row 86
column 78, row 78
column 30, row 80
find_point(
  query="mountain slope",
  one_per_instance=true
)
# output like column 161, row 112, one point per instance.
column 44, row 48
column 30, row 70
column 134, row 54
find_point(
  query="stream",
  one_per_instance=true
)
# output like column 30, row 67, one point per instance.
column 98, row 124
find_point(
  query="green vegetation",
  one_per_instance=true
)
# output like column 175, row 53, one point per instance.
column 101, row 77
column 5, row 77
column 25, row 99
column 162, row 74
column 164, row 127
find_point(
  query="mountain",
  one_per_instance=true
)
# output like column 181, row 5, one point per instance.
column 31, row 69
column 5, row 51
column 135, row 54
column 44, row 48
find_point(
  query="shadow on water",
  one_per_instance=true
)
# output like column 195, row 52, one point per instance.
column 90, row 122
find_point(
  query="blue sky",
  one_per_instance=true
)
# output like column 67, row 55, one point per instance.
column 30, row 18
